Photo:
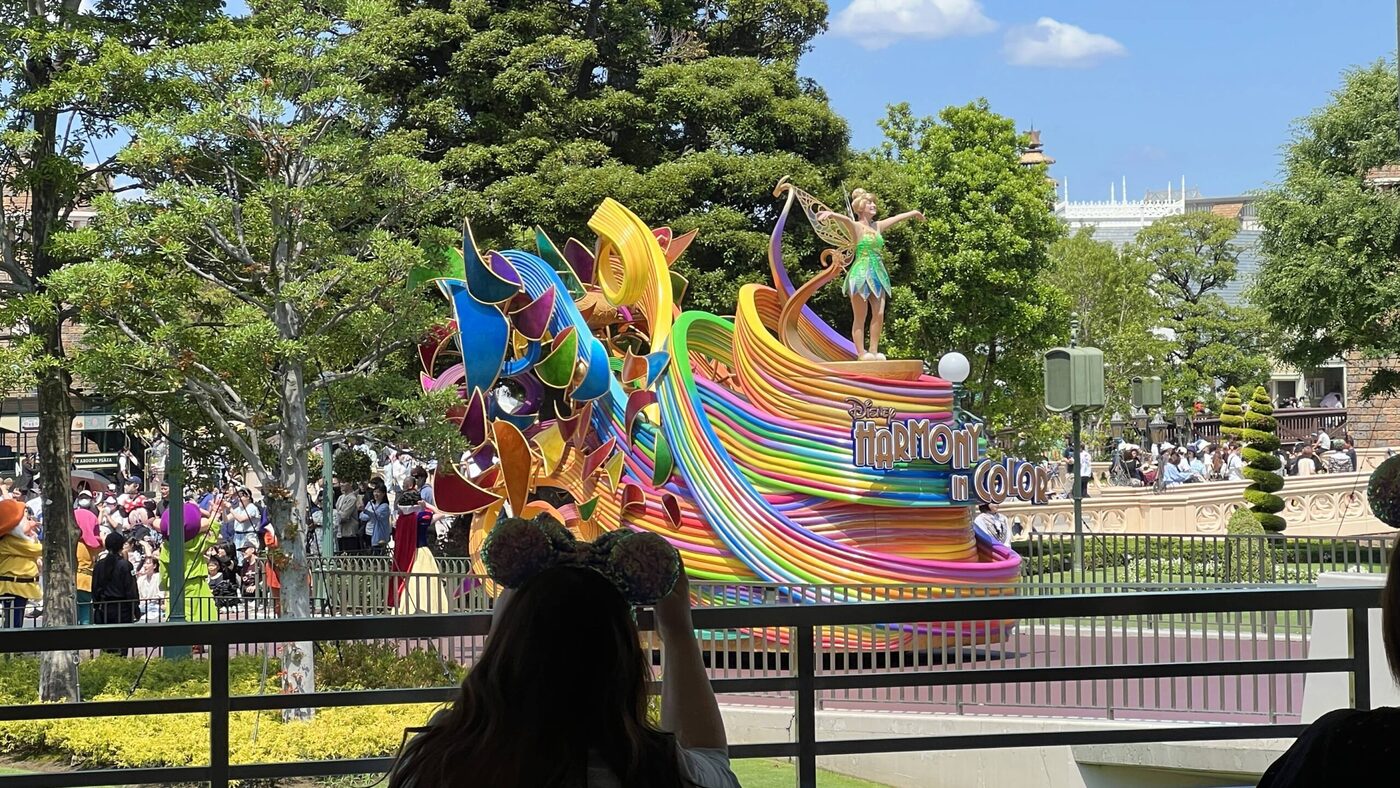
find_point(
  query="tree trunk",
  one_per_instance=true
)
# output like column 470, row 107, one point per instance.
column 58, row 672
column 288, row 517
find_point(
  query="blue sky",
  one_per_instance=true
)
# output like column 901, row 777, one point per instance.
column 1150, row 91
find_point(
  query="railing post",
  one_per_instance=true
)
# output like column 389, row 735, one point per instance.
column 806, row 707
column 218, row 714
column 1361, row 658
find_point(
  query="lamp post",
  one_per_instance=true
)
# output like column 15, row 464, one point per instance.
column 1115, row 426
column 1074, row 383
column 954, row 368
column 1182, row 422
column 1139, row 418
column 175, row 542
column 1157, row 428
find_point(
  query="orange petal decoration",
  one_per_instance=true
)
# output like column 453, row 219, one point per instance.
column 634, row 367
column 678, row 245
column 516, row 464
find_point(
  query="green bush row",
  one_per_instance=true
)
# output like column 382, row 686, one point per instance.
column 1102, row 552
column 183, row 739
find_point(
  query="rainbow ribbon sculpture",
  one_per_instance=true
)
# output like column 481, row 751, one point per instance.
column 730, row 437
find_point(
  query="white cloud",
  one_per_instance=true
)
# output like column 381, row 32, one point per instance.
column 878, row 23
column 1058, row 45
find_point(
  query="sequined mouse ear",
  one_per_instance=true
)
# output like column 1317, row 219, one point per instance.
column 642, row 565
column 518, row 549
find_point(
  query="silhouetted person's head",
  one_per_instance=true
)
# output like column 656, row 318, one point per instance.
column 562, row 674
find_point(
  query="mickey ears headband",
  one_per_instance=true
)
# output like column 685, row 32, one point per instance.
column 643, row 566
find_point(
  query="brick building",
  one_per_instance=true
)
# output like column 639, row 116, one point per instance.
column 93, row 440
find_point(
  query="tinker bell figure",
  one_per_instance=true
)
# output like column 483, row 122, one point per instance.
column 860, row 238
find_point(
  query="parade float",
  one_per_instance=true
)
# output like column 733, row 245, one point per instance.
column 767, row 447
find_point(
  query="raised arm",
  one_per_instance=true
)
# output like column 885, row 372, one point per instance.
column 688, row 705
column 885, row 224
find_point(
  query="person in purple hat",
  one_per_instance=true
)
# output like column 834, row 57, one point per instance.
column 199, row 600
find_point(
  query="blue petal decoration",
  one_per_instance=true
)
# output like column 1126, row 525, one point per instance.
column 484, row 347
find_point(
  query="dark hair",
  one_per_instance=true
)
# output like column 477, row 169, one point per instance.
column 562, row 675
column 114, row 543
column 984, row 507
column 1390, row 612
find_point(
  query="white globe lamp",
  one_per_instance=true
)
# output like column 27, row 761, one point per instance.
column 954, row 367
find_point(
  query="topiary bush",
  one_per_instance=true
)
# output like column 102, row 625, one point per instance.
column 352, row 466
column 1232, row 415
column 1249, row 559
column 1383, row 491
column 1259, row 430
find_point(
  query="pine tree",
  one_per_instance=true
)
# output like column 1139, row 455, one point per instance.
column 1262, row 470
column 1232, row 415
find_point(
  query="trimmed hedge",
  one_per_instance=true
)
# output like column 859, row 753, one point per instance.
column 1247, row 560
column 1204, row 558
column 1259, row 429
column 183, row 739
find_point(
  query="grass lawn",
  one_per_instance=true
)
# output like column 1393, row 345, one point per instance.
column 781, row 774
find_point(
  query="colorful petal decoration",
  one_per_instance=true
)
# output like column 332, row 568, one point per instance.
column 634, row 368
column 672, row 507
column 485, row 285
column 656, row 364
column 594, row 459
column 634, row 502
column 501, row 267
column 517, row 464
column 613, row 471
column 484, row 347
column 439, row 263
column 637, row 401
column 663, row 462
column 676, row 248
column 553, row 449
column 556, row 370
column 586, row 509
column 549, row 252
column 474, row 421
column 455, row 495
column 581, row 260
column 532, row 320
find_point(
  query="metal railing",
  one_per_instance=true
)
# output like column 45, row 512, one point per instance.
column 807, row 667
column 1152, row 559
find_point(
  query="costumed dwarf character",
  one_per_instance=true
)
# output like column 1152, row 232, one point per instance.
column 89, row 545
column 199, row 600
column 19, row 563
column 416, row 585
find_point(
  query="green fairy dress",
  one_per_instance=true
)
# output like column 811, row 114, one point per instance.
column 867, row 277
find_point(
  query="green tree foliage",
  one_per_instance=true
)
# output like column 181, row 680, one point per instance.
column 1328, row 279
column 1232, row 415
column 1193, row 257
column 350, row 465
column 1248, row 559
column 1110, row 292
column 254, row 290
column 1383, row 491
column 68, row 72
column 1259, row 430
column 974, row 277
column 686, row 111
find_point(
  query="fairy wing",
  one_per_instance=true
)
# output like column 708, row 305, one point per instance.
column 831, row 230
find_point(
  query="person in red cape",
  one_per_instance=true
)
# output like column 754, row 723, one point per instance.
column 416, row 583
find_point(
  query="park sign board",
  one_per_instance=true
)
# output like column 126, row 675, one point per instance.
column 881, row 446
